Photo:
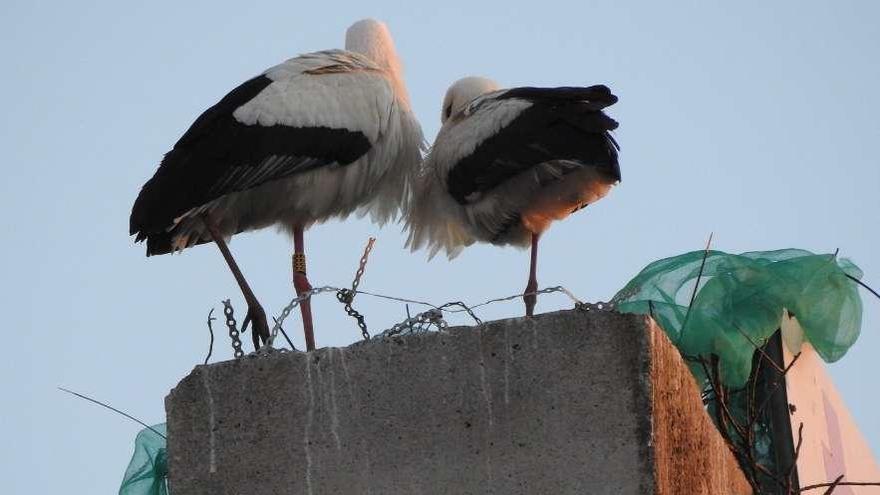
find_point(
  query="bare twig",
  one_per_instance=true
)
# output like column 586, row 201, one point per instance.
column 779, row 383
column 766, row 472
column 834, row 485
column 758, row 347
column 702, row 266
column 129, row 416
column 696, row 287
column 797, row 452
column 211, row 330
column 752, row 396
column 722, row 410
column 838, row 482
column 854, row 279
column 292, row 347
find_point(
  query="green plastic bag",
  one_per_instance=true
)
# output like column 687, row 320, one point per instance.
column 740, row 303
column 148, row 469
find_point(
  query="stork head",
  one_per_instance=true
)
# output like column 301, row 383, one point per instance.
column 372, row 38
column 463, row 92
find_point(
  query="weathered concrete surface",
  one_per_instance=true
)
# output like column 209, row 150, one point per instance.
column 689, row 454
column 560, row 403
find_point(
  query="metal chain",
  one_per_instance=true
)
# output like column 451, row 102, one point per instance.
column 363, row 266
column 423, row 322
column 419, row 323
column 290, row 307
column 346, row 296
column 599, row 306
column 233, row 330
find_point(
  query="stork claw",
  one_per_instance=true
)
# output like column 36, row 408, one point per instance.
column 246, row 322
column 257, row 316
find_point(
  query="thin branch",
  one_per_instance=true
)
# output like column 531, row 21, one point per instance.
column 752, row 397
column 793, row 360
column 724, row 412
column 766, row 472
column 211, row 330
column 292, row 347
column 700, row 273
column 779, row 383
column 834, row 485
column 758, row 347
column 797, row 452
column 696, row 288
column 129, row 416
column 837, row 482
column 872, row 291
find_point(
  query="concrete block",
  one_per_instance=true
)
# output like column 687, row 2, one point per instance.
column 561, row 403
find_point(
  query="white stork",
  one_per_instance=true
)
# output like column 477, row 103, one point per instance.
column 507, row 163
column 321, row 135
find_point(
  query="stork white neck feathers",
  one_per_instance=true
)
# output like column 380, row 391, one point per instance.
column 372, row 38
column 463, row 92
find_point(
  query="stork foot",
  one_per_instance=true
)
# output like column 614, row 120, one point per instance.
column 257, row 316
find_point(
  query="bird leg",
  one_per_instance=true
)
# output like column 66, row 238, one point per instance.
column 529, row 296
column 301, row 285
column 255, row 313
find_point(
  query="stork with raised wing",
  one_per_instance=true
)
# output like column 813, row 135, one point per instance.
column 320, row 136
column 508, row 162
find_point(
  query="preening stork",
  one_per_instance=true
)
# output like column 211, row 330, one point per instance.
column 508, row 162
column 321, row 135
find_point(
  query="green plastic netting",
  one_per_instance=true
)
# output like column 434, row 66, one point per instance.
column 148, row 469
column 740, row 303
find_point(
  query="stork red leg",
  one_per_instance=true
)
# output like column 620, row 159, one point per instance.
column 255, row 313
column 529, row 297
column 301, row 285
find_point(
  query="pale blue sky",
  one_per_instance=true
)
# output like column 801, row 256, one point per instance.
column 757, row 121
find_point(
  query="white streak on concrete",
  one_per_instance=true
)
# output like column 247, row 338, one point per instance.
column 212, row 441
column 488, row 397
column 365, row 445
column 334, row 412
column 347, row 375
column 507, row 358
column 310, row 416
column 483, row 383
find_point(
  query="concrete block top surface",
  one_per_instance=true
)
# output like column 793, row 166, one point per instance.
column 558, row 403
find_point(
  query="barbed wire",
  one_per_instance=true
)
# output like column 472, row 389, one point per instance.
column 421, row 322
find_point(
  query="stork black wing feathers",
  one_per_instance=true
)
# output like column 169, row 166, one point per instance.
column 219, row 155
column 561, row 124
column 598, row 96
